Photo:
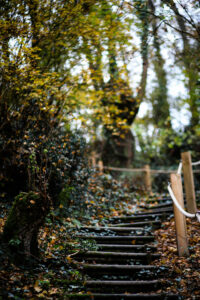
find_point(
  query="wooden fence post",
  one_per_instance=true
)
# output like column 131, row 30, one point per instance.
column 180, row 223
column 189, row 182
column 93, row 159
column 147, row 178
column 100, row 164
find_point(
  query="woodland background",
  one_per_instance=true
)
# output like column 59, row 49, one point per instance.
column 120, row 78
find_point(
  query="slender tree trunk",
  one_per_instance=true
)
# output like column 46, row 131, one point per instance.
column 190, row 64
column 161, row 110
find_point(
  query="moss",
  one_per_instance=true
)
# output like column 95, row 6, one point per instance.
column 24, row 220
column 22, row 212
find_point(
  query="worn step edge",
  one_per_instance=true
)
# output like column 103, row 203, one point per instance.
column 125, row 237
column 121, row 282
column 130, row 247
column 162, row 296
column 169, row 204
column 150, row 211
column 162, row 210
column 145, row 223
column 118, row 267
column 112, row 228
column 159, row 199
column 142, row 216
column 117, row 254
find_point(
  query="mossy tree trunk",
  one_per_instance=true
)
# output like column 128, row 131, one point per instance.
column 23, row 223
column 118, row 151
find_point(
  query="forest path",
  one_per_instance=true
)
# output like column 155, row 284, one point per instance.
column 121, row 267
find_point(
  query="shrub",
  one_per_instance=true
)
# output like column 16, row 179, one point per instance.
column 40, row 157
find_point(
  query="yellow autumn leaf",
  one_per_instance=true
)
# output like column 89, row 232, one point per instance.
column 69, row 259
column 37, row 288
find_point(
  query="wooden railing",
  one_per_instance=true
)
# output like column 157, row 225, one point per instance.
column 176, row 184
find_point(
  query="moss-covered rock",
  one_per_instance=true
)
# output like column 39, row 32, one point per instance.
column 24, row 220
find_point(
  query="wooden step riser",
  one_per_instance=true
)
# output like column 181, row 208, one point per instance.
column 124, row 239
column 163, row 199
column 136, row 276
column 103, row 254
column 122, row 296
column 162, row 205
column 133, row 289
column 167, row 210
column 119, row 273
column 122, row 261
column 152, row 224
column 152, row 210
column 123, row 232
column 115, row 296
column 124, row 242
column 126, row 248
column 109, row 228
column 106, row 233
column 143, row 232
column 146, row 217
column 117, row 258
column 132, row 275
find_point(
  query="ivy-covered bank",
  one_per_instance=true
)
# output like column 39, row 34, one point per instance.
column 46, row 273
column 43, row 165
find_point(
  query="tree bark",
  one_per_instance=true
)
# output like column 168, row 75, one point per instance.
column 118, row 151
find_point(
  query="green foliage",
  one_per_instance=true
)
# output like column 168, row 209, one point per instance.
column 165, row 145
column 48, row 155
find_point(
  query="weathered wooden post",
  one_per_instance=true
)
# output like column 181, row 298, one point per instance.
column 180, row 223
column 93, row 159
column 189, row 182
column 100, row 165
column 147, row 178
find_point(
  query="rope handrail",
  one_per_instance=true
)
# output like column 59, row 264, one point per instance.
column 136, row 170
column 185, row 213
column 178, row 205
column 153, row 171
column 196, row 163
column 179, row 170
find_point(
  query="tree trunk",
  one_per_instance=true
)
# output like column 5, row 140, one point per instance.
column 190, row 56
column 161, row 109
column 118, row 151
